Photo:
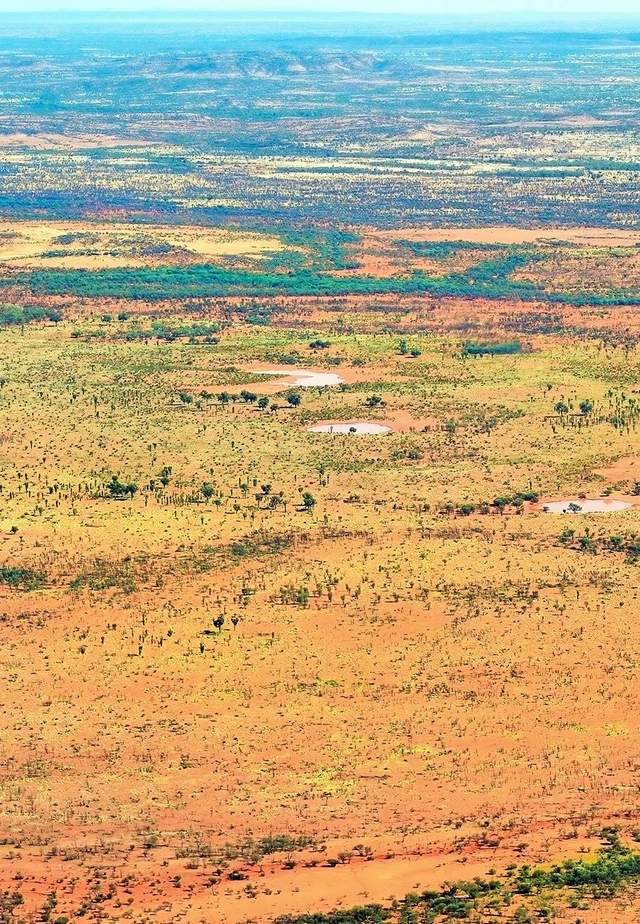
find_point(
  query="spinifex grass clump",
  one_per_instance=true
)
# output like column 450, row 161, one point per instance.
column 22, row 578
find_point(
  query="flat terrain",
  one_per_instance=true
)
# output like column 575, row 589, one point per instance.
column 82, row 245
column 251, row 672
column 407, row 665
column 342, row 121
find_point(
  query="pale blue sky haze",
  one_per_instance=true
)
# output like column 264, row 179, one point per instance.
column 510, row 9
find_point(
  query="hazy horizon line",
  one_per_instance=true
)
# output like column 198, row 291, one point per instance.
column 293, row 13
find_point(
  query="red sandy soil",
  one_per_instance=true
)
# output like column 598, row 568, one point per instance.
column 270, row 890
column 626, row 469
column 597, row 237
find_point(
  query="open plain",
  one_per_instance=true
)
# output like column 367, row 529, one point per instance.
column 256, row 672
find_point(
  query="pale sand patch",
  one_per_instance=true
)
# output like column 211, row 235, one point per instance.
column 35, row 239
column 53, row 140
column 303, row 378
column 350, row 428
column 582, row 505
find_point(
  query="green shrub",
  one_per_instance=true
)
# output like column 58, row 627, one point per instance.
column 22, row 578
